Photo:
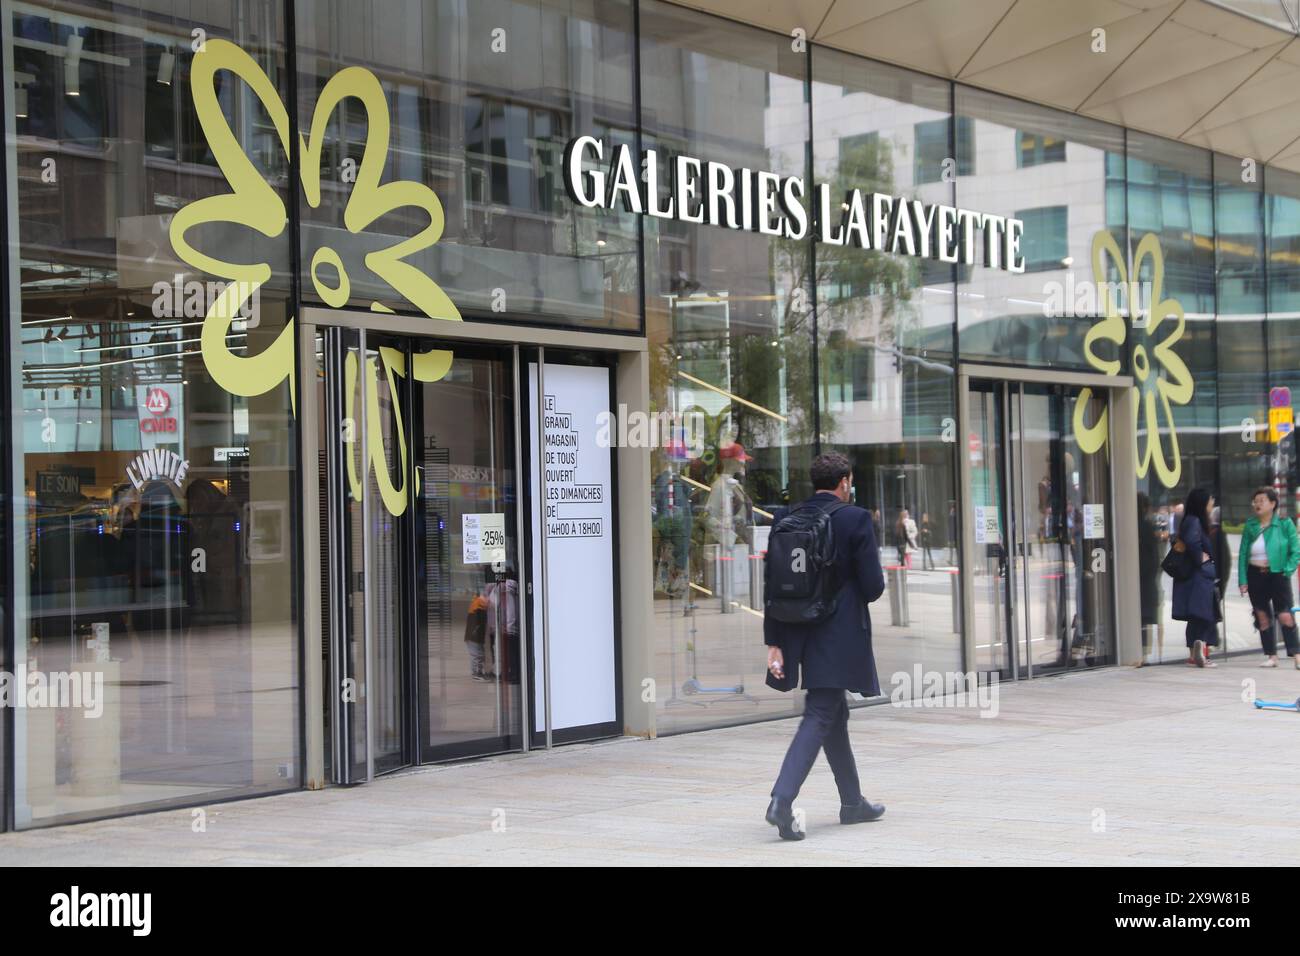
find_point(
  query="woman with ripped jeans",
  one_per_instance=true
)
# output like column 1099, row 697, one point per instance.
column 1270, row 551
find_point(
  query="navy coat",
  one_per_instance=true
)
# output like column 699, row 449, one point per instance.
column 836, row 652
column 1196, row 598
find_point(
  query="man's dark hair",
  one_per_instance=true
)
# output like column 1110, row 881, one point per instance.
column 1268, row 491
column 829, row 470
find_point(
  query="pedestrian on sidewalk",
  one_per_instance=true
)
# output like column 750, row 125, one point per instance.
column 1270, row 551
column 1194, row 596
column 927, row 542
column 1222, row 555
column 822, row 552
column 905, row 538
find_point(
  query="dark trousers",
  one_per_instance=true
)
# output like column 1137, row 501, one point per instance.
column 1270, row 592
column 1206, row 631
column 825, row 725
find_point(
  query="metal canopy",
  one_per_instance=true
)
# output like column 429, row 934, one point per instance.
column 1220, row 75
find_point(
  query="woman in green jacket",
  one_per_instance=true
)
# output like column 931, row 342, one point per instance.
column 1270, row 551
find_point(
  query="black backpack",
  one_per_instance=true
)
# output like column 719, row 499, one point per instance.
column 800, row 580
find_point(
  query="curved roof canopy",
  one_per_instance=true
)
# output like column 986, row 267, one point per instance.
column 1221, row 74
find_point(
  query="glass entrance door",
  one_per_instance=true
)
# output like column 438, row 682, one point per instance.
column 1039, row 512
column 418, row 535
column 469, row 614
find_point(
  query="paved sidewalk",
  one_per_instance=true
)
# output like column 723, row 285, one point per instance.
column 1163, row 765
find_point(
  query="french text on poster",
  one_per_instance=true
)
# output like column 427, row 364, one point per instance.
column 562, row 461
column 483, row 538
column 987, row 530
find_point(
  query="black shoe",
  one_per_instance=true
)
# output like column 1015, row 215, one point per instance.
column 781, row 815
column 864, row 812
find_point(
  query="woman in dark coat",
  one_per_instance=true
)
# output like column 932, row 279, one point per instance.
column 1222, row 554
column 1195, row 598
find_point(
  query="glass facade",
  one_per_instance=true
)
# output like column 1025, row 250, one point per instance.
column 729, row 324
column 182, row 181
column 480, row 100
column 886, row 358
column 153, row 510
column 1066, row 192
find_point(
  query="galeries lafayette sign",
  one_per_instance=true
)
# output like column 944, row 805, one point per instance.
column 596, row 175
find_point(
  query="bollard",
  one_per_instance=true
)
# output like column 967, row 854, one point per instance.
column 95, row 743
column 898, row 611
column 956, row 602
column 756, row 580
column 710, row 567
column 726, row 577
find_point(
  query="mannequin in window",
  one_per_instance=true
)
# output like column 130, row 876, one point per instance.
column 731, row 519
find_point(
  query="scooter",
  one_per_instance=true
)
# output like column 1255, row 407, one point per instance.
column 1278, row 705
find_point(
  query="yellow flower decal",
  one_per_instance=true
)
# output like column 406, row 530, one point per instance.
column 254, row 203
column 428, row 367
column 1162, row 379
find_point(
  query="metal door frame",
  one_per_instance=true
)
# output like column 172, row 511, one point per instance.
column 1018, row 494
column 314, row 319
column 1122, row 449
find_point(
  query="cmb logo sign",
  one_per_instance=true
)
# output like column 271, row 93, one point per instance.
column 158, row 403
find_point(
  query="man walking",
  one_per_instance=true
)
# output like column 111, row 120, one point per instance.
column 822, row 633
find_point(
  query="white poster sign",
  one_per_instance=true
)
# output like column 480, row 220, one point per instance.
column 579, row 548
column 1094, row 521
column 986, row 525
column 483, row 538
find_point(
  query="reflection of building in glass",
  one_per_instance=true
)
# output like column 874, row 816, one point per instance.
column 160, row 507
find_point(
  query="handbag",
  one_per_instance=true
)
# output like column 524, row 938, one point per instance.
column 1177, row 563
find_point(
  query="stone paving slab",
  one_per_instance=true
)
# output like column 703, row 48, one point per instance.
column 1158, row 766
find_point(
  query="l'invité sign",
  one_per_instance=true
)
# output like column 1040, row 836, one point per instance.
column 596, row 175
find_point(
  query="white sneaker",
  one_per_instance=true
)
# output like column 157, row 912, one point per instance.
column 1270, row 662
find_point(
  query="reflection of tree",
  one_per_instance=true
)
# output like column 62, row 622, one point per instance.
column 848, row 282
column 860, row 299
